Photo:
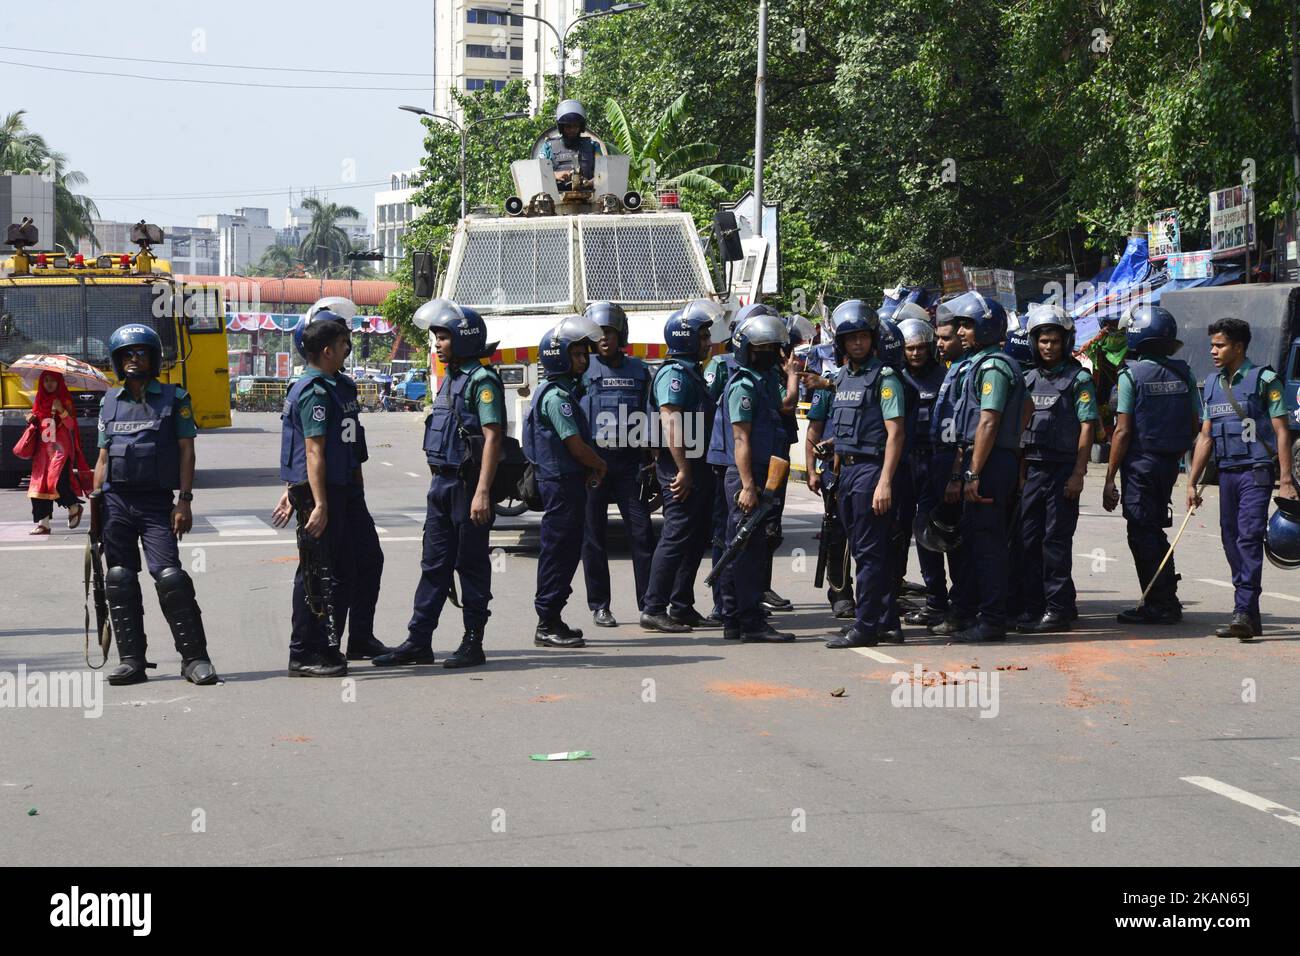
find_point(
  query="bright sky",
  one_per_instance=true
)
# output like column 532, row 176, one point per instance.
column 152, row 147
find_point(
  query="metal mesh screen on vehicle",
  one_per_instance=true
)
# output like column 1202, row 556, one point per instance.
column 640, row 260
column 515, row 263
column 75, row 319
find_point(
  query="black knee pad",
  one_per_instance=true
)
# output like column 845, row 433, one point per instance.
column 175, row 588
column 122, row 581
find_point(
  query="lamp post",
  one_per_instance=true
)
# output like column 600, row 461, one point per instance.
column 464, row 138
column 562, row 38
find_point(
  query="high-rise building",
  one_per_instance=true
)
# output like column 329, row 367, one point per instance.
column 478, row 45
column 192, row 250
column 28, row 195
column 394, row 212
column 541, row 59
column 242, row 238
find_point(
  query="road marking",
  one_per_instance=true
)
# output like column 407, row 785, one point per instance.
column 1280, row 596
column 416, row 516
column 286, row 542
column 239, row 526
column 412, row 474
column 1094, row 556
column 1217, row 584
column 875, row 655
column 388, row 463
column 381, row 530
column 1286, row 814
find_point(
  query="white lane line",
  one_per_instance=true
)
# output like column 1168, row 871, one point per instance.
column 1098, row 555
column 381, row 530
column 1280, row 596
column 412, row 474
column 239, row 526
column 1217, row 584
column 1285, row 814
column 286, row 542
column 416, row 516
column 875, row 655
column 388, row 464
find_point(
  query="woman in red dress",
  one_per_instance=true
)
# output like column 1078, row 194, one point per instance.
column 59, row 469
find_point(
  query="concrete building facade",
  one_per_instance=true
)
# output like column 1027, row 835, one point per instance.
column 478, row 45
column 394, row 212
column 28, row 195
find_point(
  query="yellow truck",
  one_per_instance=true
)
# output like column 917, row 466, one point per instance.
column 55, row 303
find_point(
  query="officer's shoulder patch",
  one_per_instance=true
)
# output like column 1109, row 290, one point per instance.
column 988, row 388
column 486, row 396
column 886, row 392
column 710, row 375
column 745, row 402
column 817, row 398
column 318, row 389
column 566, row 409
column 674, row 383
column 1085, row 397
column 318, row 413
column 186, row 412
column 1275, row 395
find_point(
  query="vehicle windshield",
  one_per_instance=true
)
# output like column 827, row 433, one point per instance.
column 76, row 319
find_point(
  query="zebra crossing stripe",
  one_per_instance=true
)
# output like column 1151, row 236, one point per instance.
column 239, row 526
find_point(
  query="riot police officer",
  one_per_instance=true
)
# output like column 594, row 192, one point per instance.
column 822, row 480
column 616, row 393
column 867, row 426
column 470, row 404
column 889, row 349
column 1057, row 445
column 681, row 399
column 1157, row 410
column 989, row 416
column 926, row 375
column 146, row 452
column 752, row 433
column 570, row 152
column 1245, row 428
column 557, row 440
column 323, row 445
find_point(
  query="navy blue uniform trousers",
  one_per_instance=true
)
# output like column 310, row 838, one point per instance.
column 565, row 503
column 1047, row 523
column 740, row 586
column 1243, row 517
column 1146, row 482
column 452, row 542
column 985, row 545
column 139, row 518
column 619, row 487
column 358, row 565
column 868, row 537
column 718, row 527
column 686, row 534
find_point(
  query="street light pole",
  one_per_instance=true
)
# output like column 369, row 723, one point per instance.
column 563, row 38
column 760, row 89
column 463, row 129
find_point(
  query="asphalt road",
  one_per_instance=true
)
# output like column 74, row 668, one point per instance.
column 704, row 751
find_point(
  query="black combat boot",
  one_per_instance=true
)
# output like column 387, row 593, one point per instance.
column 126, row 608
column 365, row 649
column 470, row 653
column 176, row 595
column 556, row 633
column 405, row 654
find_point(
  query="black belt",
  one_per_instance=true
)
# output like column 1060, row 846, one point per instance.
column 856, row 459
column 447, row 471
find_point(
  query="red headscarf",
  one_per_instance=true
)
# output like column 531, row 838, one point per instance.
column 43, row 402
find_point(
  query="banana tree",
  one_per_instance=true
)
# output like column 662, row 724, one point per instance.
column 661, row 159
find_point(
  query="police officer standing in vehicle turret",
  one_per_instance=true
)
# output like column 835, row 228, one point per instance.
column 470, row 404
column 570, row 152
column 681, row 399
column 926, row 375
column 989, row 417
column 1246, row 429
column 1158, row 410
column 867, row 426
column 616, row 392
column 1057, row 446
column 323, row 445
column 752, row 432
column 557, row 440
column 146, row 452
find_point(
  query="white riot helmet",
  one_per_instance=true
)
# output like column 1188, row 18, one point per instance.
column 340, row 305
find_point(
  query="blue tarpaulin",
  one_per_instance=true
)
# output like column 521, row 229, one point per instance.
column 1115, row 293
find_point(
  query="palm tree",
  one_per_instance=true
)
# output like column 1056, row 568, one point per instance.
column 661, row 158
column 276, row 261
column 23, row 151
column 326, row 243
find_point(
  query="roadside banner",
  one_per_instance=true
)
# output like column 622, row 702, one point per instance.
column 954, row 276
column 1232, row 221
column 1004, row 282
column 1189, row 265
column 1163, row 235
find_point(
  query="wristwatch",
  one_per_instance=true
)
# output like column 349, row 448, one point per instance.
column 970, row 477
column 186, row 496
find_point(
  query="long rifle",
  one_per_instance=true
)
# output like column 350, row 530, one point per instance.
column 778, row 470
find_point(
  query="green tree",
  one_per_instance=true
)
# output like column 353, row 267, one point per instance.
column 24, row 151
column 277, row 261
column 326, row 242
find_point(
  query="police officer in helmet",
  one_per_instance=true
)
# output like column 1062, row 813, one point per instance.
column 570, row 152
column 146, row 453
column 557, row 440
column 323, row 445
column 1057, row 446
column 1246, row 429
column 752, row 432
column 681, row 398
column 616, row 390
column 989, row 415
column 1158, row 410
column 867, row 426
column 458, row 518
